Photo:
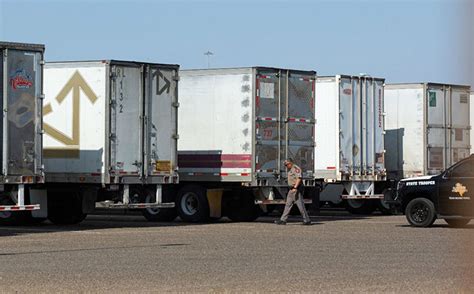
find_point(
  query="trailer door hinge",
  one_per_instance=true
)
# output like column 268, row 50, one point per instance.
column 176, row 78
column 42, row 62
column 175, row 104
column 175, row 136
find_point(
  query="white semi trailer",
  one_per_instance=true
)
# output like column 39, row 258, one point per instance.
column 236, row 126
column 110, row 131
column 21, row 94
column 471, row 112
column 349, row 145
column 427, row 128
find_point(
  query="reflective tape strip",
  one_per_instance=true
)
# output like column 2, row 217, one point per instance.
column 267, row 118
column 299, row 120
column 18, row 207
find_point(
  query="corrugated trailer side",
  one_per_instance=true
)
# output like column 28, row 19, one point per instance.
column 110, row 136
column 21, row 93
column 349, row 140
column 236, row 126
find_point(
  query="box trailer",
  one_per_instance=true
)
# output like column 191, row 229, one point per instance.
column 427, row 128
column 471, row 111
column 236, row 126
column 21, row 94
column 349, row 143
column 110, row 131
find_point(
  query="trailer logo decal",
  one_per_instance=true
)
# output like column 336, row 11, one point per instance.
column 158, row 74
column 21, row 80
column 75, row 84
column 461, row 190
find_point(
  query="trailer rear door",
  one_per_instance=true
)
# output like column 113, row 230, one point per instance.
column 160, row 123
column 126, row 119
column 459, row 125
column 284, row 121
column 23, row 72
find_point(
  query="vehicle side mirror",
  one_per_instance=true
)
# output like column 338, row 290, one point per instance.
column 447, row 174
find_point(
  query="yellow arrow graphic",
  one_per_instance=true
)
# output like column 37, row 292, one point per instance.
column 75, row 84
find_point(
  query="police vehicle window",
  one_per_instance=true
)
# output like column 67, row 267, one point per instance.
column 465, row 169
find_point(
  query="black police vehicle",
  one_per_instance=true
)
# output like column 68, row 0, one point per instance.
column 449, row 195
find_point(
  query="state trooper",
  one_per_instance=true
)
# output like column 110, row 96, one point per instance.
column 294, row 194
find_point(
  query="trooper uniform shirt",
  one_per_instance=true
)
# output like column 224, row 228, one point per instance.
column 293, row 175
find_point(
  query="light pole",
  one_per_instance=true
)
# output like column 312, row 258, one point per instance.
column 208, row 54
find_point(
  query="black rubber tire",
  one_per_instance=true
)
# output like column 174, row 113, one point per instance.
column 367, row 207
column 159, row 214
column 458, row 223
column 200, row 207
column 65, row 207
column 243, row 208
column 17, row 218
column 12, row 218
column 420, row 212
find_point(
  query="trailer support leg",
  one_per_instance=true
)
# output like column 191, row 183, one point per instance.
column 159, row 194
column 126, row 194
column 21, row 195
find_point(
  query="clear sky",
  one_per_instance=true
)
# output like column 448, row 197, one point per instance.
column 403, row 41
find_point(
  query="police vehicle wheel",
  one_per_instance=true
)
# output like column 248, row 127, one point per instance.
column 159, row 214
column 458, row 223
column 192, row 204
column 420, row 212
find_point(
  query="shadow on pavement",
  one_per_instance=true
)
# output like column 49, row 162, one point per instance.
column 136, row 220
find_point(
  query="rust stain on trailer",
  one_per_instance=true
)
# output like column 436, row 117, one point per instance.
column 75, row 84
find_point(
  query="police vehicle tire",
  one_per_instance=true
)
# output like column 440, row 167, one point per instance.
column 158, row 214
column 192, row 205
column 458, row 223
column 360, row 206
column 420, row 212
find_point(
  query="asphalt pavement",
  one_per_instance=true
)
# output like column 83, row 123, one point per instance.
column 339, row 253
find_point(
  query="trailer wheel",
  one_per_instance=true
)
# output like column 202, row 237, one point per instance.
column 384, row 207
column 192, row 204
column 458, row 223
column 420, row 212
column 158, row 214
column 12, row 218
column 65, row 207
column 243, row 208
column 360, row 206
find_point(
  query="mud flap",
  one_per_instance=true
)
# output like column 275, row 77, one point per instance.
column 214, row 198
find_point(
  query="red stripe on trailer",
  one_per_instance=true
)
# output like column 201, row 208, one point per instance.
column 291, row 119
column 224, row 174
column 15, row 208
column 264, row 77
column 215, row 160
column 244, row 174
column 2, row 208
column 331, row 167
